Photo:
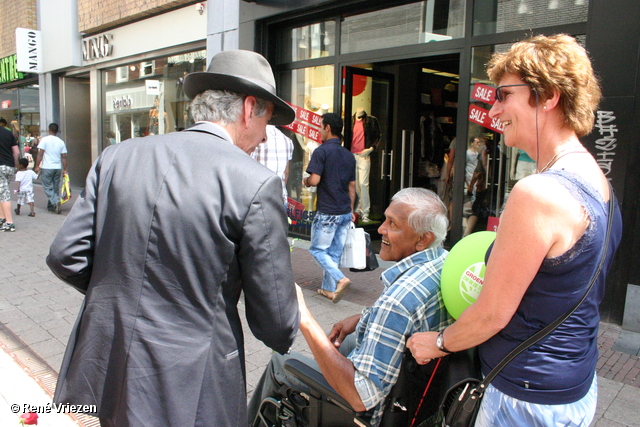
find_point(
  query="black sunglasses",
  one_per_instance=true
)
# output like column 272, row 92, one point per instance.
column 500, row 94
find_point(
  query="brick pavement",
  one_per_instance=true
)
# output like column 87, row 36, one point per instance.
column 37, row 312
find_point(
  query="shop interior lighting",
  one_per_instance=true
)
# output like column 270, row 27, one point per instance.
column 554, row 4
column 440, row 73
column 579, row 3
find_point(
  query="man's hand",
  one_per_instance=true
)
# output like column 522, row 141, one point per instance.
column 366, row 152
column 343, row 328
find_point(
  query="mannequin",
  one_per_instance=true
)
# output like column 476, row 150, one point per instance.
column 365, row 138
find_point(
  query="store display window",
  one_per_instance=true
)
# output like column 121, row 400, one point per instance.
column 146, row 97
column 415, row 23
column 499, row 16
column 307, row 42
column 311, row 92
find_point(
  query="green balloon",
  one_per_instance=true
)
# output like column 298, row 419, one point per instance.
column 463, row 272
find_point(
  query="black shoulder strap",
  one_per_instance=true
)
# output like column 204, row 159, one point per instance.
column 549, row 328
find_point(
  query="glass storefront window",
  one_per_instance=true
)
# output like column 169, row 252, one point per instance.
column 307, row 42
column 20, row 107
column 146, row 98
column 498, row 16
column 421, row 22
column 309, row 89
column 492, row 167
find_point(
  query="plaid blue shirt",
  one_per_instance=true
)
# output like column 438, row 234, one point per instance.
column 413, row 303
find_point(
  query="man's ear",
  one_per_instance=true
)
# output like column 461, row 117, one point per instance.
column 425, row 241
column 249, row 103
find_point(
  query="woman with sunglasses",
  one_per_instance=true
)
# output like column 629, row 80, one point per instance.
column 549, row 242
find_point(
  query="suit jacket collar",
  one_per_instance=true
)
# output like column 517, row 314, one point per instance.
column 211, row 128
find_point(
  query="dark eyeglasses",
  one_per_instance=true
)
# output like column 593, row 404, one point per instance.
column 500, row 94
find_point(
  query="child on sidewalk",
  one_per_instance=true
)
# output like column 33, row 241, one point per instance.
column 25, row 193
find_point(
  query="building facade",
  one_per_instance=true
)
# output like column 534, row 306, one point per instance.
column 419, row 67
column 113, row 70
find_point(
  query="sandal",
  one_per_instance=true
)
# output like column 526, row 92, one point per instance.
column 326, row 294
column 32, row 214
column 339, row 293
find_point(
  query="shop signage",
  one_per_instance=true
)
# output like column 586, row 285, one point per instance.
column 480, row 116
column 152, row 87
column 97, row 47
column 6, row 104
column 28, row 50
column 9, row 69
column 484, row 93
column 307, row 123
column 122, row 103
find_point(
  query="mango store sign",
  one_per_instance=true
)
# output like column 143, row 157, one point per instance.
column 28, row 50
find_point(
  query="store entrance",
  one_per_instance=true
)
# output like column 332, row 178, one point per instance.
column 419, row 126
column 75, row 125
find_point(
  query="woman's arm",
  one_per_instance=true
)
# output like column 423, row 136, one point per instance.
column 541, row 219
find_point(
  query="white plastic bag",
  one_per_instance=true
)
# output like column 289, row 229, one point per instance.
column 354, row 254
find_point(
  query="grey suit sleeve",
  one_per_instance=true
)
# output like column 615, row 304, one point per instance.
column 265, row 266
column 72, row 250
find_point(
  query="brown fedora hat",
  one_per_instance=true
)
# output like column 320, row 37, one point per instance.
column 243, row 72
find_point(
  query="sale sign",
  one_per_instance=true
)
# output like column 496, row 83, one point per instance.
column 484, row 93
column 307, row 123
column 480, row 116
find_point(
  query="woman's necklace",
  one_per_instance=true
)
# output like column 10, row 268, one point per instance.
column 559, row 155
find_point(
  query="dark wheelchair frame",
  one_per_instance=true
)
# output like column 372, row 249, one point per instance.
column 406, row 405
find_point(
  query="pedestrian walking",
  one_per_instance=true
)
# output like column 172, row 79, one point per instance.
column 9, row 153
column 51, row 164
column 25, row 193
column 332, row 169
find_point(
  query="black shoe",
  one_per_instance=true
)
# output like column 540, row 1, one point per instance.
column 17, row 211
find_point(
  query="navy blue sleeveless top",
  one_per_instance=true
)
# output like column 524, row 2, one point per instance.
column 560, row 368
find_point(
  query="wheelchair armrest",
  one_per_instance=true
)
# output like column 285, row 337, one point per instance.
column 316, row 382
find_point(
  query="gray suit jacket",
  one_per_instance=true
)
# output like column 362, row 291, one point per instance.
column 167, row 234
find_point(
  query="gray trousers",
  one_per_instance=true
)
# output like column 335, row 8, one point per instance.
column 50, row 179
column 274, row 376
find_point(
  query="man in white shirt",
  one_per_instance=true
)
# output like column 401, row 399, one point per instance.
column 275, row 153
column 51, row 164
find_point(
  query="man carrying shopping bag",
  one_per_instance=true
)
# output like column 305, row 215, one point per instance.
column 332, row 169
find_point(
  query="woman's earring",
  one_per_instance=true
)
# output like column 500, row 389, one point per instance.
column 544, row 108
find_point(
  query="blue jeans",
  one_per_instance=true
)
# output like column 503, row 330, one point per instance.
column 328, row 234
column 50, row 179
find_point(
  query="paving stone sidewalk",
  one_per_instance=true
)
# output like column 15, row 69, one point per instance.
column 37, row 312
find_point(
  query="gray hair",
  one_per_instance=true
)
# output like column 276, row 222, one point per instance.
column 429, row 214
column 222, row 107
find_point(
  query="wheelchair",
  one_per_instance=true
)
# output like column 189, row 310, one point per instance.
column 406, row 405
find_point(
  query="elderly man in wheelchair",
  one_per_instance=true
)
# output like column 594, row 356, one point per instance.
column 357, row 364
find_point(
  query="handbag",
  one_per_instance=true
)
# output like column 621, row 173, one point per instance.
column 371, row 259
column 354, row 254
column 462, row 402
column 416, row 397
column 65, row 189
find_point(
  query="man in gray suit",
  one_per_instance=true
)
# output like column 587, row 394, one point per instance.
column 163, row 243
